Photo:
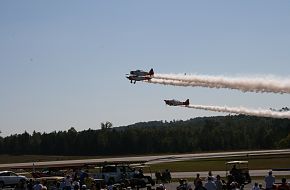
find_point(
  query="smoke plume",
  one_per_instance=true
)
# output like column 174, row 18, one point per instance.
column 245, row 84
column 243, row 110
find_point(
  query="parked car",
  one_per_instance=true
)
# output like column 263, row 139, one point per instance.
column 9, row 178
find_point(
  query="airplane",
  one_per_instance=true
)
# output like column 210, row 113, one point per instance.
column 176, row 102
column 284, row 109
column 140, row 75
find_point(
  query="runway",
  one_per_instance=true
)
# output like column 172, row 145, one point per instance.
column 148, row 159
column 253, row 173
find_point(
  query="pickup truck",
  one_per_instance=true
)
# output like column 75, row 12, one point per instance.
column 123, row 173
column 9, row 178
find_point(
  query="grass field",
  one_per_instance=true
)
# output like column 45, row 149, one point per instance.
column 6, row 159
column 255, row 163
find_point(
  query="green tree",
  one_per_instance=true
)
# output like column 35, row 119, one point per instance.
column 106, row 125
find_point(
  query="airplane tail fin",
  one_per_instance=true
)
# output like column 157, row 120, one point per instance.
column 186, row 102
column 151, row 72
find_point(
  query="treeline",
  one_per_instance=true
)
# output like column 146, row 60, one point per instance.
column 194, row 135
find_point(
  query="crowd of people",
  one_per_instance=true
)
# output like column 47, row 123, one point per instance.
column 75, row 181
column 82, row 181
column 216, row 183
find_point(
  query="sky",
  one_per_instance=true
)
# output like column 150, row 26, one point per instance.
column 63, row 63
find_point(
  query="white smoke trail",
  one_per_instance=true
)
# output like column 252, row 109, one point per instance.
column 243, row 110
column 180, row 83
column 245, row 84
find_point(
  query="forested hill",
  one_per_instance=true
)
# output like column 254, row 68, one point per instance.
column 194, row 135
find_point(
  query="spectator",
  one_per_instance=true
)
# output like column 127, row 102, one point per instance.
column 158, row 176
column 84, row 187
column 195, row 181
column 219, row 183
column 183, row 185
column 30, row 185
column 83, row 176
column 199, row 186
column 269, row 181
column 62, row 184
column 67, row 181
column 141, row 174
column 160, row 187
column 261, row 187
column 284, row 185
column 53, row 186
column 230, row 181
column 167, row 176
column 234, row 186
column 242, row 187
column 93, row 186
column 211, row 176
column 76, row 185
column 37, row 186
column 210, row 184
column 256, row 186
column 89, row 181
column 21, row 186
column 234, row 170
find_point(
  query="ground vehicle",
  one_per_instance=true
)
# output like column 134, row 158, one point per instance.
column 125, row 173
column 163, row 177
column 9, row 178
column 238, row 171
column 49, row 172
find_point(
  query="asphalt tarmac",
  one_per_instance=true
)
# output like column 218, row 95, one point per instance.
column 253, row 173
column 149, row 159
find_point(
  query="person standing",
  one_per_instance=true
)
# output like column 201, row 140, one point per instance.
column 37, row 186
column 30, row 184
column 269, row 180
column 256, row 186
column 199, row 186
column 218, row 183
column 196, row 180
column 68, row 183
column 210, row 184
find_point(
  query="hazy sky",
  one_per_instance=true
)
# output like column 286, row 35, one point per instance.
column 63, row 63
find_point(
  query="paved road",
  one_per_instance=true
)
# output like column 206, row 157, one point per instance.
column 253, row 173
column 151, row 159
column 172, row 186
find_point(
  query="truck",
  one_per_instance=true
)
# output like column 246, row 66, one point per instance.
column 125, row 173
